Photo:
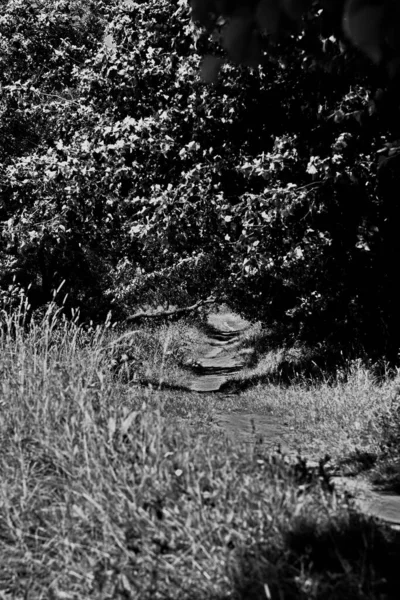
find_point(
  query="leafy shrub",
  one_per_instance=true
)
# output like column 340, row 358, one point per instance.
column 144, row 186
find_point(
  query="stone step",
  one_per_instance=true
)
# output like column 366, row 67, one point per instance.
column 224, row 343
column 213, row 353
column 223, row 362
column 208, row 383
column 219, row 363
column 222, row 336
column 253, row 428
column 382, row 505
column 227, row 322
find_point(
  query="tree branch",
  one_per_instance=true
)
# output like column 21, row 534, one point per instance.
column 173, row 312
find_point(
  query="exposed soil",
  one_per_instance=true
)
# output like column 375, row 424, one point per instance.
column 213, row 371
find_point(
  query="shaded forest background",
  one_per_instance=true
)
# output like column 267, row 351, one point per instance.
column 125, row 176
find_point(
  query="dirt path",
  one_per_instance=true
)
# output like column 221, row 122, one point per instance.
column 221, row 360
column 213, row 370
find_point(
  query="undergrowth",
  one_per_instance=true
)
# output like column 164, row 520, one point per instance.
column 349, row 410
column 114, row 490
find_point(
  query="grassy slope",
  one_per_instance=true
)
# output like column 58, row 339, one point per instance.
column 111, row 490
column 351, row 413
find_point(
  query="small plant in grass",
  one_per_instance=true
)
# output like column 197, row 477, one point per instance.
column 155, row 354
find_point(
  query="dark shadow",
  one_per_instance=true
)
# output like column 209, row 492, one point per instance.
column 200, row 370
column 356, row 462
column 275, row 377
column 319, row 363
column 386, row 476
column 308, row 370
column 348, row 559
column 163, row 385
column 330, row 555
column 143, row 383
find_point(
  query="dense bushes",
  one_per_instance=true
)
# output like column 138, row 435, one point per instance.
column 111, row 186
column 123, row 174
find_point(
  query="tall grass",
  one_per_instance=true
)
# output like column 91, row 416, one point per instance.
column 105, row 494
column 352, row 411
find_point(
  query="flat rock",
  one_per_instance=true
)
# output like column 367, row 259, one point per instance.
column 227, row 363
column 382, row 505
column 231, row 343
column 207, row 383
column 213, row 353
column 227, row 322
column 220, row 361
column 252, row 428
column 216, row 335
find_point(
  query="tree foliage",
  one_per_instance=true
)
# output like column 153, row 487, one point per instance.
column 317, row 250
column 101, row 186
column 125, row 175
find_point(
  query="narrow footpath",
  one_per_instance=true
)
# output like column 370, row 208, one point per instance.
column 221, row 360
column 212, row 372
